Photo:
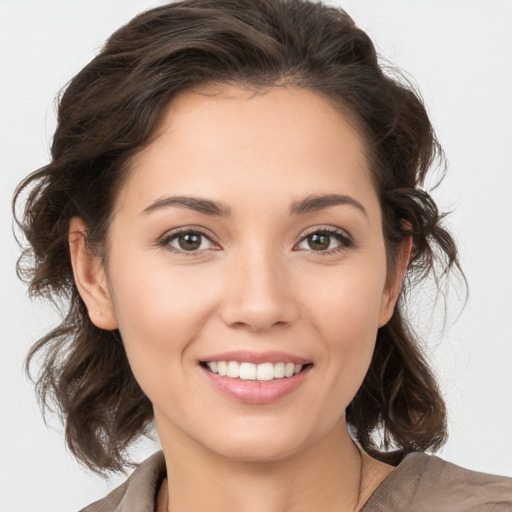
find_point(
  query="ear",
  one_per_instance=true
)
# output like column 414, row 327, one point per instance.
column 90, row 278
column 394, row 282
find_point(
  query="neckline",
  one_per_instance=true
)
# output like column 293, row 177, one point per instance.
column 389, row 483
column 385, row 488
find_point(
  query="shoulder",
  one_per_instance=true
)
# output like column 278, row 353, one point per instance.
column 426, row 483
column 138, row 493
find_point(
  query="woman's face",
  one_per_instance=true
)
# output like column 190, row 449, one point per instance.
column 247, row 233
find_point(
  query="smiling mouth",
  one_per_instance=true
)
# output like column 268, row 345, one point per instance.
column 255, row 372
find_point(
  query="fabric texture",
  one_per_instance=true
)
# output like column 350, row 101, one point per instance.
column 420, row 483
column 427, row 483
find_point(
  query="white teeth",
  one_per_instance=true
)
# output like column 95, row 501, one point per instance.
column 251, row 371
column 222, row 367
column 248, row 371
column 265, row 371
column 279, row 370
column 289, row 369
column 233, row 370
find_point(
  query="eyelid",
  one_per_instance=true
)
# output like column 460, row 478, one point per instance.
column 347, row 239
column 163, row 240
column 326, row 228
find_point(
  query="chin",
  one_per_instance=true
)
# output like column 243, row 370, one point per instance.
column 257, row 450
column 260, row 443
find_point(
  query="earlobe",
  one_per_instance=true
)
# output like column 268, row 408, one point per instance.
column 90, row 278
column 394, row 285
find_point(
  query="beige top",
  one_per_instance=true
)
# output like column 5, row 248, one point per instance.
column 420, row 483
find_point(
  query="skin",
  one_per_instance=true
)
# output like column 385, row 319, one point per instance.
column 258, row 284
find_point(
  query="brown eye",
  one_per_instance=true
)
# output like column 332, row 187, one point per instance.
column 188, row 241
column 325, row 241
column 319, row 241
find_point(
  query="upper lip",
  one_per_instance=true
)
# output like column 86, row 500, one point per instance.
column 248, row 356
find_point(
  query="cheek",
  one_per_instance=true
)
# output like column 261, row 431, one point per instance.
column 160, row 313
column 157, row 298
column 346, row 318
column 350, row 303
column 351, row 336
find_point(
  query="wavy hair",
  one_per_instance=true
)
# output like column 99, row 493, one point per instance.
column 108, row 113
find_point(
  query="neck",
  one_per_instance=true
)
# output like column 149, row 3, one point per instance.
column 325, row 476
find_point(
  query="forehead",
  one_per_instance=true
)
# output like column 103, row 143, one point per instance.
column 226, row 142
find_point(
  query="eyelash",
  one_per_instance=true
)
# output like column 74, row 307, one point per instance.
column 169, row 237
column 345, row 241
column 343, row 238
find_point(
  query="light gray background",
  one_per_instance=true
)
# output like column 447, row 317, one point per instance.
column 459, row 53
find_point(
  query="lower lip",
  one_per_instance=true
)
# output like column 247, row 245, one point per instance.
column 256, row 392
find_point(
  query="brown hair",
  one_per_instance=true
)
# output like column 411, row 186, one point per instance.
column 109, row 111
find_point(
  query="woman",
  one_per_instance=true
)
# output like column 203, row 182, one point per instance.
column 233, row 204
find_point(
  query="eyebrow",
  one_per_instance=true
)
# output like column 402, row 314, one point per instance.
column 207, row 206
column 200, row 205
column 320, row 202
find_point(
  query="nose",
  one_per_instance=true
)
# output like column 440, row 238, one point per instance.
column 259, row 293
